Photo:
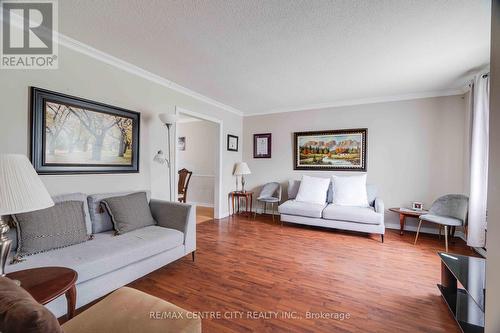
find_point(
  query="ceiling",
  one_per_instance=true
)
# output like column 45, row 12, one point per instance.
column 262, row 56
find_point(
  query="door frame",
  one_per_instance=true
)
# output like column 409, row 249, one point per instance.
column 218, row 167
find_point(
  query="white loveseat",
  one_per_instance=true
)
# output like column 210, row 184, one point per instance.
column 363, row 219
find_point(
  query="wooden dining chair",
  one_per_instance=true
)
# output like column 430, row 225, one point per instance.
column 182, row 186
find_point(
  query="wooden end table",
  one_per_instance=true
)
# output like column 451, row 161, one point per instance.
column 47, row 283
column 236, row 196
column 403, row 214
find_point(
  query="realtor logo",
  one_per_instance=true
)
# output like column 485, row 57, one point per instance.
column 28, row 34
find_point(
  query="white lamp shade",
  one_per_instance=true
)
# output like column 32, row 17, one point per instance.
column 168, row 118
column 21, row 189
column 242, row 169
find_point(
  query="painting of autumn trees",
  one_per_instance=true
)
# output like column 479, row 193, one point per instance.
column 79, row 136
column 331, row 150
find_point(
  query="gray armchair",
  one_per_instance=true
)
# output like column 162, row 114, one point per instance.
column 449, row 211
column 270, row 193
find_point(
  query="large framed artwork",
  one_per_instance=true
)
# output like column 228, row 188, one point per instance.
column 71, row 135
column 342, row 150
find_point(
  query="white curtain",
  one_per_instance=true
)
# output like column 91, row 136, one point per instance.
column 480, row 104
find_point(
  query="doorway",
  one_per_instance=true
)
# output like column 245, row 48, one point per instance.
column 198, row 148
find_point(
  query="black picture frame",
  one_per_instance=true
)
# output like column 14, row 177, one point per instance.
column 229, row 137
column 362, row 132
column 38, row 140
column 267, row 136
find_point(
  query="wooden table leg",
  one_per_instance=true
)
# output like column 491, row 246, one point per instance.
column 251, row 204
column 401, row 224
column 71, row 300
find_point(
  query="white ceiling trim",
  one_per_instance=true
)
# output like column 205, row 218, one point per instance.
column 362, row 101
column 88, row 50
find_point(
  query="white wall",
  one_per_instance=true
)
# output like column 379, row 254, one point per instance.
column 415, row 148
column 493, row 261
column 84, row 76
column 200, row 157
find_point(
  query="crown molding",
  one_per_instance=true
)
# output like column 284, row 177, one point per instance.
column 92, row 52
column 361, row 101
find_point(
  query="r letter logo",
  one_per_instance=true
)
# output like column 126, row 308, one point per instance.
column 28, row 34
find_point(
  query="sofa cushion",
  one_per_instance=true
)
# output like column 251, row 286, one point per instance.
column 293, row 207
column 313, row 189
column 350, row 190
column 293, row 188
column 129, row 212
column 77, row 197
column 100, row 218
column 371, row 193
column 106, row 252
column 366, row 215
column 51, row 228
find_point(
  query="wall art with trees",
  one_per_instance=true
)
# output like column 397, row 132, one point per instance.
column 74, row 135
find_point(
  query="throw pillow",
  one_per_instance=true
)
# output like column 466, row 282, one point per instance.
column 313, row 190
column 350, row 191
column 51, row 228
column 20, row 313
column 129, row 212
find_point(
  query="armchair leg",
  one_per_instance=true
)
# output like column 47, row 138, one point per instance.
column 446, row 237
column 272, row 208
column 382, row 236
column 418, row 231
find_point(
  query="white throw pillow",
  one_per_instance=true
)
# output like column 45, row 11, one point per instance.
column 313, row 190
column 350, row 191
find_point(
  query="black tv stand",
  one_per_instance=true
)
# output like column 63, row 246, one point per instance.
column 467, row 303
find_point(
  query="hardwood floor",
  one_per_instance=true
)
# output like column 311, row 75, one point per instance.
column 204, row 214
column 244, row 266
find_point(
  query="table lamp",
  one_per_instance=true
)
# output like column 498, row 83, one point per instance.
column 242, row 169
column 21, row 191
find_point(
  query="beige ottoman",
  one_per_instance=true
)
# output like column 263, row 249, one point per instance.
column 130, row 310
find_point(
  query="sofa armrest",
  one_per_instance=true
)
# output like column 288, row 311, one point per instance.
column 379, row 205
column 177, row 216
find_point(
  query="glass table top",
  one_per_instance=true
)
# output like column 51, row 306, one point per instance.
column 470, row 272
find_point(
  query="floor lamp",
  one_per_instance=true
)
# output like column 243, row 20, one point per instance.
column 167, row 119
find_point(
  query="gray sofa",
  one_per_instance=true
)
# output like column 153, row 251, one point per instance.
column 108, row 262
column 363, row 219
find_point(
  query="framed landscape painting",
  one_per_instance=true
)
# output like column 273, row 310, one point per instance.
column 74, row 135
column 341, row 150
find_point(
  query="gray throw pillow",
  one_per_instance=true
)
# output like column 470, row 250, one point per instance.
column 47, row 229
column 129, row 212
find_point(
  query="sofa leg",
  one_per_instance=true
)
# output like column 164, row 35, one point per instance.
column 192, row 255
column 382, row 236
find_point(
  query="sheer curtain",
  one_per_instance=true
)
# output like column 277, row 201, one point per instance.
column 480, row 104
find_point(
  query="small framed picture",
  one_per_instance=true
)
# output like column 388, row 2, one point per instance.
column 262, row 145
column 232, row 142
column 181, row 143
column 417, row 205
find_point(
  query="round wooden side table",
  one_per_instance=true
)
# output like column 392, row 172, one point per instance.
column 47, row 283
column 404, row 213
